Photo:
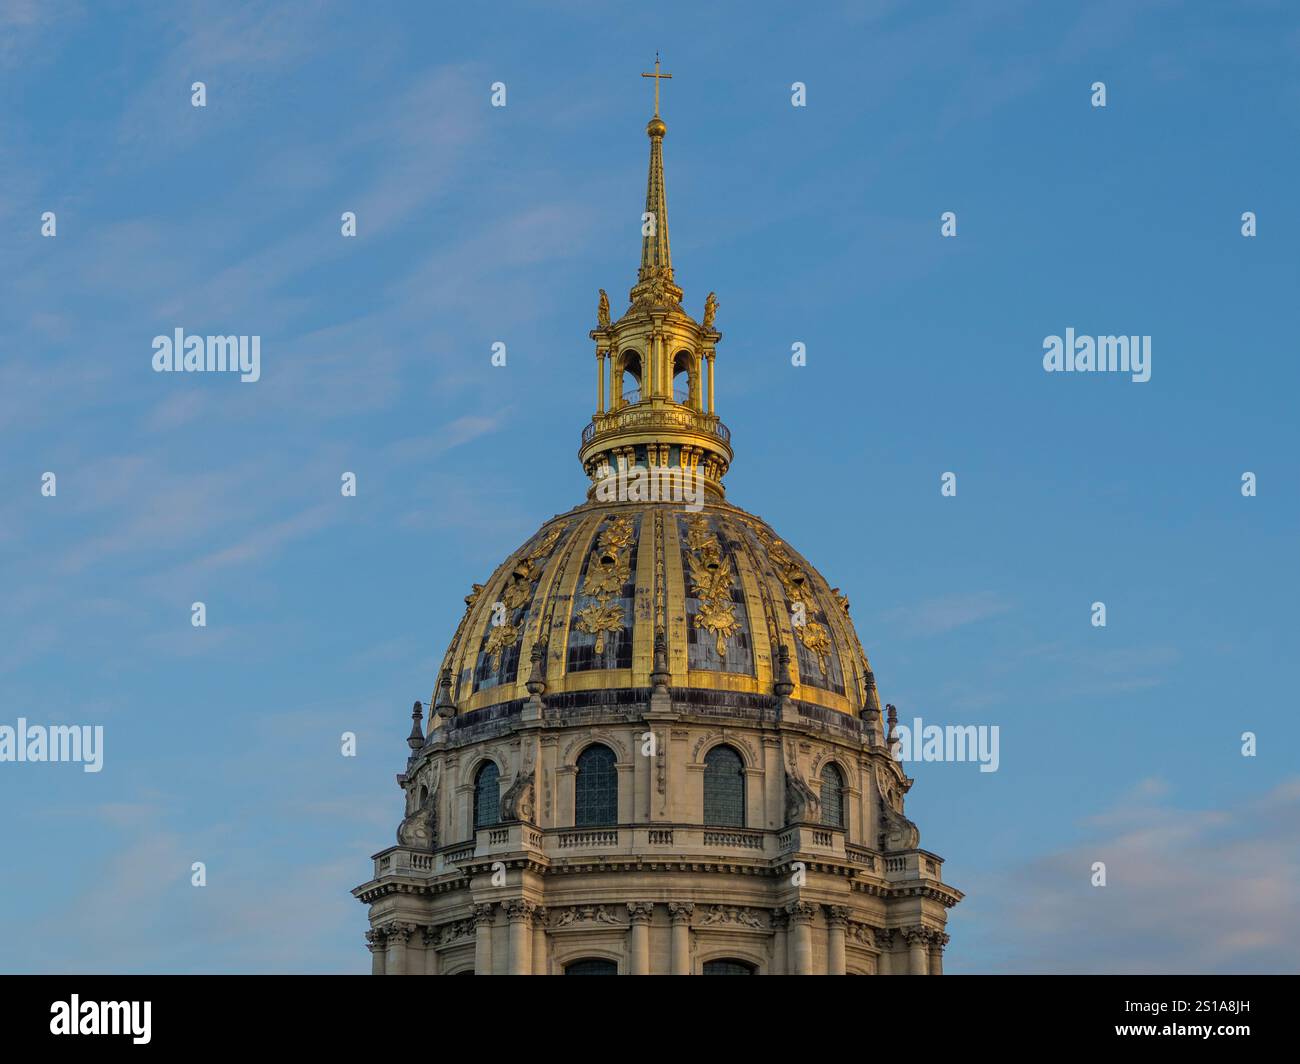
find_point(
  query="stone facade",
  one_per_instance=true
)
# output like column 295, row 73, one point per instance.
column 660, row 892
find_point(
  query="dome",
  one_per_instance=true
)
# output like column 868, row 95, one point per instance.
column 594, row 587
column 650, row 714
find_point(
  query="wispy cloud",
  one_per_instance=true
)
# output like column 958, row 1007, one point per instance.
column 1188, row 890
column 938, row 615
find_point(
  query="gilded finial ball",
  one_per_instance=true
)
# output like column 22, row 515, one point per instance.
column 655, row 127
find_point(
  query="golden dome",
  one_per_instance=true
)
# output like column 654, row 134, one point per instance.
column 594, row 587
column 630, row 590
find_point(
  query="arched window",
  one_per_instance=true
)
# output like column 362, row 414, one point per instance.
column 727, row 966
column 487, row 796
column 591, row 966
column 683, row 377
column 631, row 383
column 595, row 791
column 832, row 796
column 724, row 788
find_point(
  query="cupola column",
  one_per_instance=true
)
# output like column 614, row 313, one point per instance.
column 601, row 355
column 709, row 357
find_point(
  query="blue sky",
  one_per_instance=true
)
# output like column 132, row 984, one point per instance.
column 818, row 225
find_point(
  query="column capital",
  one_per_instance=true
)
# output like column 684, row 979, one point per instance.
column 539, row 916
column 431, row 935
column 640, row 912
column 376, row 939
column 481, row 912
column 800, row 912
column 519, row 909
column 917, row 935
column 398, row 931
column 884, row 936
column 837, row 915
column 681, row 911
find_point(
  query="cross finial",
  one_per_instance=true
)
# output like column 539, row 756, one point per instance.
column 658, row 77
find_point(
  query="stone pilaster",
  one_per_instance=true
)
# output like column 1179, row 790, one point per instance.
column 431, row 936
column 938, row 940
column 681, row 911
column 801, row 916
column 918, row 944
column 541, row 961
column 837, row 920
column 378, row 947
column 780, row 942
column 885, row 943
column 483, row 938
column 519, row 914
column 398, row 935
column 639, row 913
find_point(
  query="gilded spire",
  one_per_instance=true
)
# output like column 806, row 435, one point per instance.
column 656, row 256
column 654, row 364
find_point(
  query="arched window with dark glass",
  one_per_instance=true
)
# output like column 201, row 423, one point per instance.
column 727, row 966
column 487, row 796
column 832, row 796
column 724, row 788
column 595, row 791
column 591, row 966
